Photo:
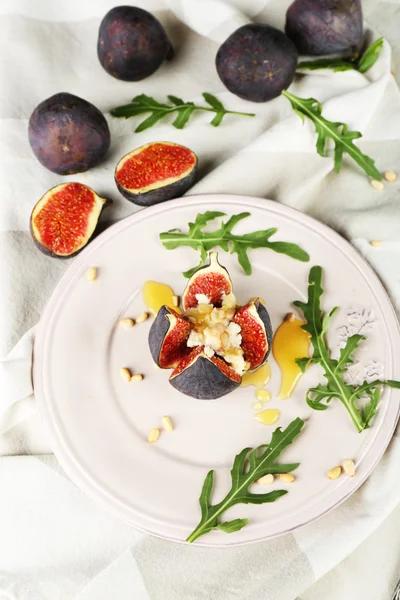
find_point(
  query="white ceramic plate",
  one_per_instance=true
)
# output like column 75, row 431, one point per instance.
column 99, row 423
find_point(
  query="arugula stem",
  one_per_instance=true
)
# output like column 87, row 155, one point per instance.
column 213, row 110
column 320, row 122
column 233, row 496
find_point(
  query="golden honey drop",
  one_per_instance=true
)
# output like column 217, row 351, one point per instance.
column 155, row 295
column 290, row 342
column 269, row 416
column 258, row 378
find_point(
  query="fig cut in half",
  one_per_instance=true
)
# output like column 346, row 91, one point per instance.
column 65, row 219
column 214, row 342
column 156, row 172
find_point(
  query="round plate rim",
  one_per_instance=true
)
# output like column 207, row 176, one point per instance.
column 67, row 462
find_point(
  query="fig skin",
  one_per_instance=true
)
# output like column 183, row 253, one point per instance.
column 163, row 328
column 203, row 380
column 265, row 318
column 250, row 335
column 222, row 283
column 319, row 27
column 132, row 43
column 165, row 192
column 257, row 62
column 68, row 134
column 101, row 203
column 161, row 194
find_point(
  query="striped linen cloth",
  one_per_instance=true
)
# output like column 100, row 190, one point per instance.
column 55, row 544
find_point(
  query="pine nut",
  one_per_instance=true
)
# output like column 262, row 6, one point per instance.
column 349, row 467
column 153, row 435
column 142, row 317
column 204, row 309
column 287, row 477
column 167, row 424
column 266, row 479
column 125, row 373
column 236, row 351
column 375, row 243
column 224, row 339
column 127, row 323
column 230, row 313
column 91, row 274
column 257, row 406
column 334, row 473
column 263, row 395
column 377, row 185
column 390, row 176
column 175, row 300
column 290, row 317
column 137, row 377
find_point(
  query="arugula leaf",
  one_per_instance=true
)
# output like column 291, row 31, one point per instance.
column 370, row 56
column 223, row 237
column 363, row 64
column 338, row 132
column 248, row 466
column 146, row 104
column 337, row 64
column 320, row 396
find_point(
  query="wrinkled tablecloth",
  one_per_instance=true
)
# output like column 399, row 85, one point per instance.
column 55, row 543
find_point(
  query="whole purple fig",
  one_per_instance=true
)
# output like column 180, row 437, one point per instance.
column 132, row 43
column 319, row 27
column 257, row 62
column 68, row 134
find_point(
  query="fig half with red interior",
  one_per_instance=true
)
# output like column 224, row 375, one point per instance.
column 65, row 219
column 214, row 341
column 156, row 172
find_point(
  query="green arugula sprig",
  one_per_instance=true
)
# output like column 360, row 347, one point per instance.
column 338, row 132
column 319, row 397
column 248, row 466
column 146, row 104
column 363, row 64
column 223, row 237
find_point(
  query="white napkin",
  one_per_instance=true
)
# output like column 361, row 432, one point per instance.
column 55, row 542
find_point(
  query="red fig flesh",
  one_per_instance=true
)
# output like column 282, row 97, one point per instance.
column 214, row 341
column 156, row 172
column 65, row 218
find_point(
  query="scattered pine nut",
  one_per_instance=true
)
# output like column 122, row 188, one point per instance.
column 153, row 435
column 175, row 300
column 127, row 323
column 349, row 467
column 142, row 317
column 375, row 243
column 137, row 377
column 91, row 274
column 257, row 406
column 266, row 479
column 224, row 339
column 287, row 477
column 167, row 424
column 334, row 473
column 377, row 185
column 390, row 176
column 125, row 373
column 290, row 317
column 263, row 395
